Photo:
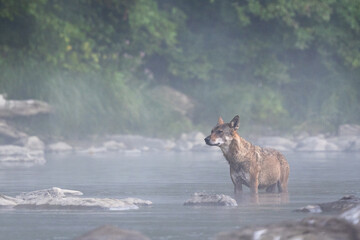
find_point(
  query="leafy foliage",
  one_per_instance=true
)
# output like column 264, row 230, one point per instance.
column 292, row 65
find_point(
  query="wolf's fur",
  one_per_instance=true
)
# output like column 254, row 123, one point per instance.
column 250, row 165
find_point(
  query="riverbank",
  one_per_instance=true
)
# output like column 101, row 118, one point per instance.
column 32, row 150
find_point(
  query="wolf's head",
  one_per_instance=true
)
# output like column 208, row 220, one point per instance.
column 223, row 133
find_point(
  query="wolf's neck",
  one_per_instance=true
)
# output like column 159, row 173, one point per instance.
column 237, row 149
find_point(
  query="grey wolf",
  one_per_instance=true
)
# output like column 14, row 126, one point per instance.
column 250, row 165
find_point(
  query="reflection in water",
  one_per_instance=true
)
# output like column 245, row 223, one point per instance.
column 262, row 198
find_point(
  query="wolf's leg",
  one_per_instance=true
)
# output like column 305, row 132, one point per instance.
column 236, row 181
column 238, row 188
column 271, row 188
column 254, row 182
column 284, row 177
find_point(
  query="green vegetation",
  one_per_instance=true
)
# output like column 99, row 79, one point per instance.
column 292, row 65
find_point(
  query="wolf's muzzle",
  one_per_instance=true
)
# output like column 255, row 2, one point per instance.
column 207, row 140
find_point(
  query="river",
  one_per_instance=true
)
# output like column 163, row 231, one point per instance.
column 167, row 179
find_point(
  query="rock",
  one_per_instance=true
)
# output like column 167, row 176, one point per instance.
column 183, row 146
column 10, row 134
column 344, row 143
column 34, row 143
column 193, row 141
column 13, row 108
column 12, row 153
column 278, row 143
column 59, row 147
column 355, row 147
column 349, row 130
column 94, row 150
column 203, row 199
column 352, row 216
column 195, row 137
column 328, row 228
column 139, row 142
column 343, row 204
column 174, row 99
column 54, row 192
column 112, row 233
column 114, row 146
column 6, row 201
column 316, row 143
column 310, row 209
column 57, row 198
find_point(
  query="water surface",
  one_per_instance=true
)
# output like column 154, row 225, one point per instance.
column 168, row 180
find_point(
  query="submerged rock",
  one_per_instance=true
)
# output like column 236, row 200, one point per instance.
column 108, row 232
column 326, row 228
column 203, row 199
column 341, row 205
column 57, row 198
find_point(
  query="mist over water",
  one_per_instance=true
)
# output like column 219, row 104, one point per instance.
column 120, row 69
column 168, row 180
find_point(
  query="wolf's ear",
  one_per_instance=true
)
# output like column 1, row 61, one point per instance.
column 220, row 121
column 235, row 122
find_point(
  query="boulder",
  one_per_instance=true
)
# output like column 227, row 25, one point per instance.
column 183, row 146
column 6, row 201
column 9, row 133
column 203, row 199
column 325, row 228
column 13, row 153
column 355, row 147
column 352, row 216
column 59, row 147
column 140, row 142
column 34, row 143
column 343, row 204
column 344, row 143
column 316, row 144
column 193, row 141
column 278, row 143
column 57, row 198
column 94, row 150
column 349, row 130
column 108, row 232
column 174, row 99
column 13, row 108
column 114, row 146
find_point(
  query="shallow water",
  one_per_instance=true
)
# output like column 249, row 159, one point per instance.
column 168, row 180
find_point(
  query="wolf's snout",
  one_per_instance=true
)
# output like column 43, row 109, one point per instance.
column 207, row 140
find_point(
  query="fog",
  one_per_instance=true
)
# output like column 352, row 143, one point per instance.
column 158, row 69
column 105, row 104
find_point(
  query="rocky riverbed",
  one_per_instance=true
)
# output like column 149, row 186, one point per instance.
column 32, row 150
column 194, row 141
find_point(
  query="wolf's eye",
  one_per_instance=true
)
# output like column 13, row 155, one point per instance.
column 219, row 131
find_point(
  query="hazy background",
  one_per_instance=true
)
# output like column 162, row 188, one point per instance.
column 160, row 67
